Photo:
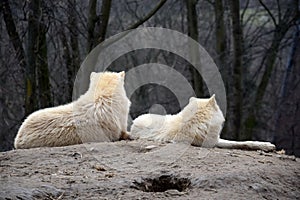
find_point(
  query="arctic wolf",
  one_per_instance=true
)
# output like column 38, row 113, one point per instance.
column 199, row 123
column 98, row 115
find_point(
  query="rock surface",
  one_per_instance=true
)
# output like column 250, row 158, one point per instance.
column 147, row 170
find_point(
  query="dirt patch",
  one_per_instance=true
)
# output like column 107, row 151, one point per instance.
column 147, row 170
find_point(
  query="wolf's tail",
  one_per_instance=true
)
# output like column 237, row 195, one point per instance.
column 247, row 145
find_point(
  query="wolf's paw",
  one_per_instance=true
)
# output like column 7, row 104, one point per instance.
column 125, row 136
column 267, row 146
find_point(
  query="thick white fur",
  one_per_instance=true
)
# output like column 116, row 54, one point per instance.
column 199, row 123
column 98, row 115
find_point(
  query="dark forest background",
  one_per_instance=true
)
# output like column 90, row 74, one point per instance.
column 255, row 44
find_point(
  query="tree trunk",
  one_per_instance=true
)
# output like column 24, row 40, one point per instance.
column 92, row 19
column 75, row 55
column 37, row 71
column 101, row 25
column 221, row 49
column 30, row 72
column 68, row 63
column 220, row 33
column 97, row 25
column 42, row 66
column 237, row 69
column 195, row 54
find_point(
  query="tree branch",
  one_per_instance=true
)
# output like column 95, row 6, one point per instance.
column 148, row 16
column 244, row 11
column 279, row 10
column 269, row 12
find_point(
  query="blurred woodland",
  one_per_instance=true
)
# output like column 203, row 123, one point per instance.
column 255, row 44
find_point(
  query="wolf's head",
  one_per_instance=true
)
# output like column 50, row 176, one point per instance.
column 205, row 103
column 106, row 84
column 205, row 106
column 205, row 119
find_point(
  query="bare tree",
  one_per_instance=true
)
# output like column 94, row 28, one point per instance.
column 193, row 33
column 222, row 52
column 72, row 54
column 288, row 117
column 285, row 20
column 148, row 16
column 237, row 68
column 29, row 66
column 97, row 25
column 12, row 32
column 221, row 43
column 37, row 55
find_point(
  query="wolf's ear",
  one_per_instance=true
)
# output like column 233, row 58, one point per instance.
column 92, row 75
column 122, row 74
column 212, row 100
column 192, row 99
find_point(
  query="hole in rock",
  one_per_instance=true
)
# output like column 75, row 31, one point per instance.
column 163, row 183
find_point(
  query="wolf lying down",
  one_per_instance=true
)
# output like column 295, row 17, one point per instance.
column 199, row 123
column 99, row 115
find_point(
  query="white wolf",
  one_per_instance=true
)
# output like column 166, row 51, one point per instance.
column 199, row 123
column 98, row 115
